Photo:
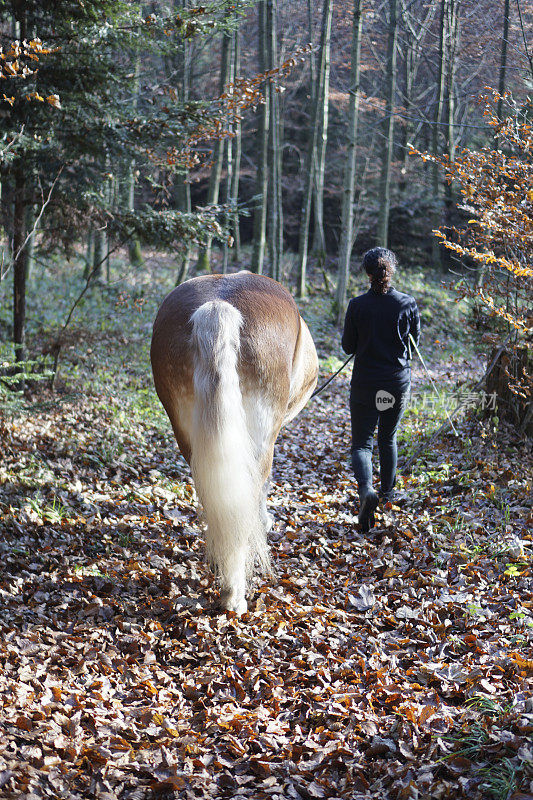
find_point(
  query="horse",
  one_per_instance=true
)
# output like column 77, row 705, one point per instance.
column 233, row 361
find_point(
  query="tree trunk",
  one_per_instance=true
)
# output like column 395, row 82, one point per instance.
column 236, row 165
column 229, row 164
column 348, row 192
column 303, row 241
column 20, row 254
column 20, row 263
column 408, row 103
column 204, row 256
column 99, row 253
column 227, row 200
column 127, row 176
column 89, row 254
column 279, row 181
column 312, row 62
column 127, row 201
column 319, row 239
column 415, row 30
column 451, row 60
column 503, row 58
column 437, row 118
column 183, row 189
column 183, row 202
column 261, row 186
column 388, row 129
column 273, row 145
column 30, row 225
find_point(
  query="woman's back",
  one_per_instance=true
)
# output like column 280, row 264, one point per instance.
column 377, row 329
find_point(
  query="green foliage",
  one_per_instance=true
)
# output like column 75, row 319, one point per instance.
column 52, row 512
column 498, row 775
column 164, row 228
column 14, row 375
column 104, row 119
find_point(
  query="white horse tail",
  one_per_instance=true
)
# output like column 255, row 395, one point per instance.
column 223, row 462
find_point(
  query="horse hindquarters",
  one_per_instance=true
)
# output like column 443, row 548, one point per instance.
column 223, row 462
column 232, row 362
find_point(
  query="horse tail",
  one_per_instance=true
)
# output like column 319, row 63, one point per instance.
column 223, row 463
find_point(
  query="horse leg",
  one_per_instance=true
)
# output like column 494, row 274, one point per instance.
column 266, row 517
column 233, row 581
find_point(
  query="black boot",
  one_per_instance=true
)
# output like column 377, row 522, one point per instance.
column 369, row 503
column 387, row 497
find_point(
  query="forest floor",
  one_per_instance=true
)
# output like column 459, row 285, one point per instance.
column 394, row 664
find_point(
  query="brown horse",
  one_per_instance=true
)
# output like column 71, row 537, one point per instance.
column 233, row 361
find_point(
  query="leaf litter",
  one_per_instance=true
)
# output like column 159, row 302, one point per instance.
column 395, row 664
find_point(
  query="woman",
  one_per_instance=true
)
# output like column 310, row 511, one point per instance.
column 377, row 329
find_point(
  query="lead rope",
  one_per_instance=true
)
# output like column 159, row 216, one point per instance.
column 321, row 388
column 413, row 458
column 419, row 354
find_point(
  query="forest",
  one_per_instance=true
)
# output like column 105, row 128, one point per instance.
column 143, row 145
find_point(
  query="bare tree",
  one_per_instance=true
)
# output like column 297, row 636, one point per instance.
column 348, row 191
column 275, row 230
column 415, row 28
column 261, row 185
column 319, row 240
column 435, row 136
column 388, row 128
column 237, row 160
column 183, row 188
column 453, row 28
column 503, row 57
column 230, row 160
column 311, row 162
column 20, row 208
column 204, row 256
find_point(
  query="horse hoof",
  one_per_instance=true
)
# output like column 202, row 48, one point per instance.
column 229, row 603
column 238, row 607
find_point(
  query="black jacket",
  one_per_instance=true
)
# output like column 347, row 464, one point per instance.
column 376, row 329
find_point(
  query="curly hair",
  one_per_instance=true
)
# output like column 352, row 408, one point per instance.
column 380, row 266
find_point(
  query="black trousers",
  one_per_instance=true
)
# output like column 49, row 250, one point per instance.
column 371, row 406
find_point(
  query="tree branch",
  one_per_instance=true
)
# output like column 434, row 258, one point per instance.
column 35, row 226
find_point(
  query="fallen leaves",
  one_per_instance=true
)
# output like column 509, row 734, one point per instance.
column 396, row 664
